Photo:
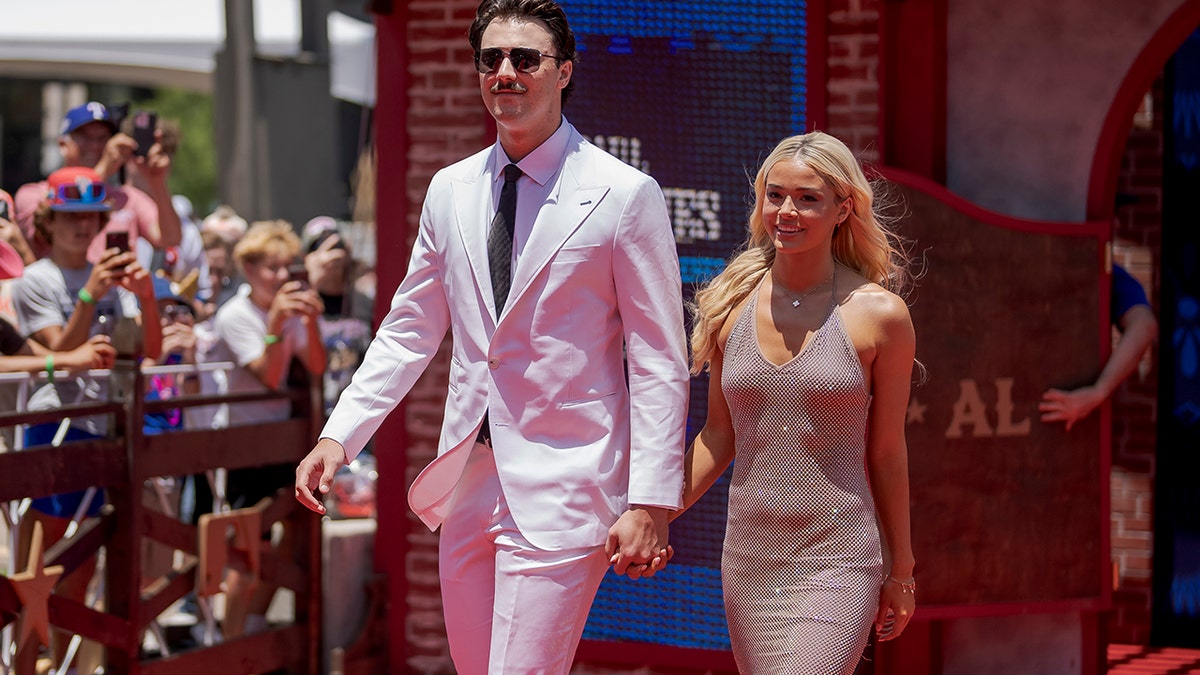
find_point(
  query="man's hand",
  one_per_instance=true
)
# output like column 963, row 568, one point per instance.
column 637, row 542
column 117, row 151
column 315, row 473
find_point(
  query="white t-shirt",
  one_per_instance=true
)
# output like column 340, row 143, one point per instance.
column 45, row 296
column 240, row 327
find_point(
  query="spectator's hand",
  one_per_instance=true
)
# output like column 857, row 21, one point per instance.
column 12, row 235
column 111, row 271
column 637, row 542
column 117, row 152
column 1058, row 405
column 316, row 471
column 156, row 165
column 97, row 353
column 293, row 299
column 327, row 266
column 178, row 338
column 135, row 278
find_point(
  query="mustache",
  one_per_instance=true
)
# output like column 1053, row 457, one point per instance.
column 516, row 87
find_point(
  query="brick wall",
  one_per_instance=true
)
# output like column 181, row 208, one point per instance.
column 1137, row 245
column 853, row 75
column 446, row 122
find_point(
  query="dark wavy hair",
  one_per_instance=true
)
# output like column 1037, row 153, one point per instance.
column 546, row 11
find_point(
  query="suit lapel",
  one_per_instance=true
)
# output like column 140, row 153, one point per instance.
column 470, row 199
column 556, row 222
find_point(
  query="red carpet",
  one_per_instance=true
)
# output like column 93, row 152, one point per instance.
column 1142, row 660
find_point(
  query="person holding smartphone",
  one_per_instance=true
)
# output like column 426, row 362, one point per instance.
column 62, row 302
column 90, row 138
column 261, row 332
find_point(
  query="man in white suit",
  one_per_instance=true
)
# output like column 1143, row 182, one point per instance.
column 561, row 448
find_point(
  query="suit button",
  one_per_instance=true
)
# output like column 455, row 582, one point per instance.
column 493, row 363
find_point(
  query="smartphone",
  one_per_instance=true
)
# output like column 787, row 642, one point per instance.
column 298, row 273
column 144, row 124
column 4, row 209
column 118, row 239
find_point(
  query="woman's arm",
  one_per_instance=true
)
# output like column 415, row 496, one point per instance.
column 713, row 449
column 887, row 459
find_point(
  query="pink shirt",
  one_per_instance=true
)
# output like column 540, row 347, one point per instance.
column 133, row 211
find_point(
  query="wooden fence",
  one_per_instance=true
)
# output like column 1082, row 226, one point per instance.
column 120, row 465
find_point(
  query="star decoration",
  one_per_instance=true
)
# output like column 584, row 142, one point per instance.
column 916, row 412
column 33, row 587
column 221, row 533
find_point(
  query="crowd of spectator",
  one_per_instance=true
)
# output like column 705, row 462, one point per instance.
column 101, row 261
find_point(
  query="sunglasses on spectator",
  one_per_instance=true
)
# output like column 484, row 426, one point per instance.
column 523, row 59
column 75, row 193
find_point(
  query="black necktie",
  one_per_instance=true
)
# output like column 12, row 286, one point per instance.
column 500, row 238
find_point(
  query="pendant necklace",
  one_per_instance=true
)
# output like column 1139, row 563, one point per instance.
column 804, row 296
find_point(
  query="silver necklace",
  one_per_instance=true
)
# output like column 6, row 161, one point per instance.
column 796, row 300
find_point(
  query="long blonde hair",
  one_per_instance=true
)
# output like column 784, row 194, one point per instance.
column 863, row 242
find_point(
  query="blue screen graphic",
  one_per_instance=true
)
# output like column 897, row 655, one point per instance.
column 695, row 94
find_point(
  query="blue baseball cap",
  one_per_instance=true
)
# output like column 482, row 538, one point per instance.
column 87, row 113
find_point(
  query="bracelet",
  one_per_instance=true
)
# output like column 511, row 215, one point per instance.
column 86, row 297
column 906, row 586
column 270, row 339
column 50, row 368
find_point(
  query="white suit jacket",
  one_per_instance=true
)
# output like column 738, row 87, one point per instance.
column 576, row 439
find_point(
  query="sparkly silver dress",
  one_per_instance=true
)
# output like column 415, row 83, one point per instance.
column 802, row 564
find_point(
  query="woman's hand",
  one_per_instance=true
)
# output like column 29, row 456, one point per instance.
column 897, row 602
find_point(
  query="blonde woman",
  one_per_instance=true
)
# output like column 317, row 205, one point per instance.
column 810, row 354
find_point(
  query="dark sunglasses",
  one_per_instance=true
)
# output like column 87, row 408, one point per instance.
column 524, row 59
column 88, row 193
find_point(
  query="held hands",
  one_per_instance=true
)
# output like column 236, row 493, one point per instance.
column 637, row 543
column 315, row 473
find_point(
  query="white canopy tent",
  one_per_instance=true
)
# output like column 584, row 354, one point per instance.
column 167, row 42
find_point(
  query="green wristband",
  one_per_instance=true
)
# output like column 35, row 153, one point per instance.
column 86, row 297
column 269, row 339
column 50, row 367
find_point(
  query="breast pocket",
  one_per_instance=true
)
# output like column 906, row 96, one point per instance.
column 575, row 254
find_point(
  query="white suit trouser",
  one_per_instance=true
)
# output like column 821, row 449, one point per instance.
column 532, row 603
